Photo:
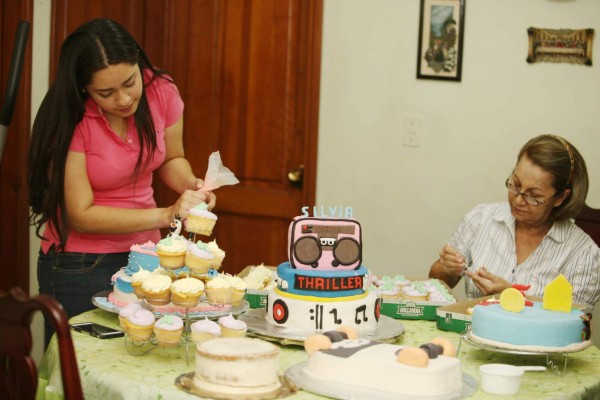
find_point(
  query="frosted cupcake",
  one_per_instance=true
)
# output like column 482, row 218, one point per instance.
column 139, row 325
column 200, row 220
column 157, row 289
column 198, row 258
column 185, row 292
column 128, row 310
column 204, row 330
column 171, row 252
column 238, row 287
column 168, row 330
column 218, row 254
column 231, row 327
column 261, row 278
column 218, row 290
column 136, row 282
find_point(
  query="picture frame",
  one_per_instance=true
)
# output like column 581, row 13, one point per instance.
column 441, row 33
column 572, row 46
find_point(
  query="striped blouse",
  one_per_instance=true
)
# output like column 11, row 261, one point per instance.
column 486, row 237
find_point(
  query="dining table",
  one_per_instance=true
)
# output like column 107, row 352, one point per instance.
column 116, row 369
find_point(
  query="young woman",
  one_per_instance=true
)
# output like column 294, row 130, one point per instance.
column 108, row 122
column 530, row 239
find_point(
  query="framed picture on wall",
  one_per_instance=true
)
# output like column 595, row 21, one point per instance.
column 560, row 45
column 441, row 32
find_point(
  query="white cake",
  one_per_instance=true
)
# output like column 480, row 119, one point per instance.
column 373, row 365
column 237, row 366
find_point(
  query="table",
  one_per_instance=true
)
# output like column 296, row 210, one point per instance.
column 109, row 371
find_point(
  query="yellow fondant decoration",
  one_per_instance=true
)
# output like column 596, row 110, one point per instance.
column 512, row 300
column 558, row 295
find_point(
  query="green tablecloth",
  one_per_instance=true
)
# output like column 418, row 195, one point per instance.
column 109, row 370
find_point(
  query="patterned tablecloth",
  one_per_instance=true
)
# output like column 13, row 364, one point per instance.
column 109, row 370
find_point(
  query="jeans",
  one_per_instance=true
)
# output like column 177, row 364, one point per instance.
column 74, row 278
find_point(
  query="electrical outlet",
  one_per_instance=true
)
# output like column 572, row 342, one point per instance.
column 411, row 132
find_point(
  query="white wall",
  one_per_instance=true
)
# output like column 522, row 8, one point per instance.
column 409, row 200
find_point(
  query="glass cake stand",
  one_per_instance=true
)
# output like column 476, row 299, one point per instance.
column 101, row 300
column 472, row 340
column 388, row 329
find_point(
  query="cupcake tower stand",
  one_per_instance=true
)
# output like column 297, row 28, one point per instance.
column 138, row 348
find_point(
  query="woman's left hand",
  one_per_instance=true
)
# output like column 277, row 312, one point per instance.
column 208, row 197
column 486, row 282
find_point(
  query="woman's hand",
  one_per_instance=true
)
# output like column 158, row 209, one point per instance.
column 210, row 198
column 189, row 199
column 486, row 282
column 453, row 263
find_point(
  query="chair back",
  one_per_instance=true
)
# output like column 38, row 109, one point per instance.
column 18, row 373
column 589, row 220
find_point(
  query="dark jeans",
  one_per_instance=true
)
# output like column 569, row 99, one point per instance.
column 74, row 278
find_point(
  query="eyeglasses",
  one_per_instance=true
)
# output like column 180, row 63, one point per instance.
column 534, row 201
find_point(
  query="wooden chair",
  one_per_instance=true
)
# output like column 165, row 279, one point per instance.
column 18, row 373
column 589, row 220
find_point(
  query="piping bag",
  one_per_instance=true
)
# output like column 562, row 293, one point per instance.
column 217, row 174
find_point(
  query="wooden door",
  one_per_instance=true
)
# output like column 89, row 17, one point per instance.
column 14, row 210
column 248, row 71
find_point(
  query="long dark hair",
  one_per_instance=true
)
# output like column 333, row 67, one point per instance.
column 91, row 47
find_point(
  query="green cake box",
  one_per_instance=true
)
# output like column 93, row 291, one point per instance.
column 256, row 298
column 415, row 309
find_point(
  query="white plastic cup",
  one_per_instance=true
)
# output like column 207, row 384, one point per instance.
column 503, row 379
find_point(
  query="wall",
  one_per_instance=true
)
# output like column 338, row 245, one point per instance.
column 410, row 199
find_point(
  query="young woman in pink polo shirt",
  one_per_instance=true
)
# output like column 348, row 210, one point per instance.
column 109, row 121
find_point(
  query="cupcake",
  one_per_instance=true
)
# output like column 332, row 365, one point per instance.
column 200, row 220
column 198, row 258
column 136, row 282
column 128, row 310
column 168, row 330
column 413, row 293
column 238, row 291
column 186, row 292
column 157, row 289
column 204, row 330
column 231, row 327
column 218, row 290
column 139, row 325
column 261, row 278
column 171, row 252
column 218, row 254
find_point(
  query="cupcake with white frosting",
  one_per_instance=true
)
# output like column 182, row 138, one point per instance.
column 186, row 292
column 204, row 329
column 171, row 252
column 139, row 325
column 218, row 290
column 231, row 327
column 200, row 220
column 198, row 257
column 218, row 254
column 168, row 330
column 157, row 289
column 238, row 289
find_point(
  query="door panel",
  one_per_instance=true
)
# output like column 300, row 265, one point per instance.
column 248, row 72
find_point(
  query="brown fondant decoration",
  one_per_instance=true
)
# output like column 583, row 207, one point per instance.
column 307, row 250
column 347, row 251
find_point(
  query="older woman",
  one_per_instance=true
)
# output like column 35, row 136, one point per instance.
column 530, row 239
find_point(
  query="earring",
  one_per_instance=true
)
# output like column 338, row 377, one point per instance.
column 83, row 91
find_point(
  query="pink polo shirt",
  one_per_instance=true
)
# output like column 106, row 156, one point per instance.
column 110, row 162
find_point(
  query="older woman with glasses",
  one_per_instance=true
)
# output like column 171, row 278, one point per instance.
column 530, row 239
